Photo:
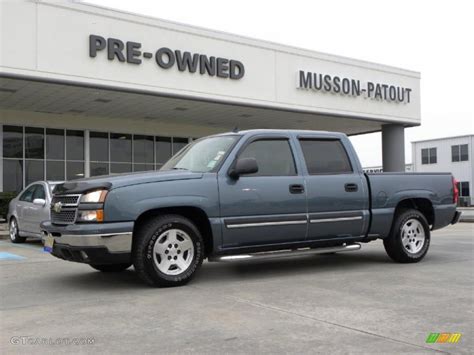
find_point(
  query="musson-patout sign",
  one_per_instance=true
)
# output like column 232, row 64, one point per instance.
column 318, row 82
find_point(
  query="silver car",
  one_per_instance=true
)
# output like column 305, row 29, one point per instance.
column 27, row 210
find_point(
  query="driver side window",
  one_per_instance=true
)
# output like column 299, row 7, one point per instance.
column 273, row 156
column 39, row 193
column 27, row 195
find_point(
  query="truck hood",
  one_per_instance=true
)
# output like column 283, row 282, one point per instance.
column 121, row 180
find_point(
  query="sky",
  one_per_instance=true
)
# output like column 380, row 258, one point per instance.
column 429, row 36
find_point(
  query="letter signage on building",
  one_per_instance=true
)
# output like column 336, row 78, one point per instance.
column 352, row 87
column 166, row 58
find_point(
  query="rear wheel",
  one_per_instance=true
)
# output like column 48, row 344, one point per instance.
column 168, row 250
column 111, row 267
column 14, row 232
column 409, row 239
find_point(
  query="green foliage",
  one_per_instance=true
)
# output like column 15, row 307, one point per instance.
column 5, row 198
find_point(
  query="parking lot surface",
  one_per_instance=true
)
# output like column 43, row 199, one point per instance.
column 358, row 302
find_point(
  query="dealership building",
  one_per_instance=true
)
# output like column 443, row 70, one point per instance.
column 87, row 90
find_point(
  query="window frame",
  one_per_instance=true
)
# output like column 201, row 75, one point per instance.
column 351, row 165
column 430, row 156
column 265, row 138
column 458, row 149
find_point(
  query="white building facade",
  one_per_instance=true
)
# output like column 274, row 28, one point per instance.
column 451, row 154
column 87, row 90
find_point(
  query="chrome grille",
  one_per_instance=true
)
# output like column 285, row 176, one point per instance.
column 68, row 210
column 66, row 216
column 66, row 199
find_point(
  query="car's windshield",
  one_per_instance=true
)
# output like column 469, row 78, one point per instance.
column 203, row 155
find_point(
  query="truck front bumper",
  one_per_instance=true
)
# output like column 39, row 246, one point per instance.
column 104, row 243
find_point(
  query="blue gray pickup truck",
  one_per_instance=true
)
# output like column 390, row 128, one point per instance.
column 246, row 195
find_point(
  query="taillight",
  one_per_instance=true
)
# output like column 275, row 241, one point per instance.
column 455, row 191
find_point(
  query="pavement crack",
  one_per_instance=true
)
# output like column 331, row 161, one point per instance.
column 281, row 310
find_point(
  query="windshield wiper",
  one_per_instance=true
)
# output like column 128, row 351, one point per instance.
column 175, row 168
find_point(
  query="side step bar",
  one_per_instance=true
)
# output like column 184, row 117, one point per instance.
column 285, row 253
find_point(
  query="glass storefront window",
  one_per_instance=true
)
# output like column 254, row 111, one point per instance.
column 119, row 168
column 34, row 143
column 179, row 143
column 99, row 169
column 12, row 142
column 74, row 145
column 74, row 170
column 143, row 167
column 55, row 144
column 162, row 150
column 121, row 148
column 54, row 170
column 143, row 149
column 12, row 175
column 99, row 146
column 34, row 171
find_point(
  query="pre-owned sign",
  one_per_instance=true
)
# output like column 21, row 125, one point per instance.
column 167, row 58
column 353, row 87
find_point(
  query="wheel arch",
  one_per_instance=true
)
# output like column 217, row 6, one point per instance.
column 424, row 205
column 195, row 214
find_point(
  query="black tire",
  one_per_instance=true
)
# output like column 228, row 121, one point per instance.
column 393, row 243
column 143, row 254
column 111, row 267
column 15, row 238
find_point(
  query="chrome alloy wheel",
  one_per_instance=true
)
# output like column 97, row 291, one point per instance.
column 413, row 236
column 173, row 252
column 13, row 229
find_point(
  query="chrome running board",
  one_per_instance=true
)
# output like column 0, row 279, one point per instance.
column 285, row 253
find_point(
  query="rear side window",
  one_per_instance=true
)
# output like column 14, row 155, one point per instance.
column 325, row 156
column 273, row 156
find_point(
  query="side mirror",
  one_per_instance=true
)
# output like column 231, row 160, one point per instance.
column 39, row 202
column 243, row 166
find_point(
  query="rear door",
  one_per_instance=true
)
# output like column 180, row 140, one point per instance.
column 266, row 207
column 336, row 190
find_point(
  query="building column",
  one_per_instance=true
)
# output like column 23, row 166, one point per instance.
column 393, row 147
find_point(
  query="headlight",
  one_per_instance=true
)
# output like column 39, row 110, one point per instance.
column 96, row 196
column 90, row 215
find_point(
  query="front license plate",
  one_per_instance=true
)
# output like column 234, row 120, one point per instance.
column 48, row 243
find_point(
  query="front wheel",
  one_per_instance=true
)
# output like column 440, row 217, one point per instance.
column 167, row 251
column 111, row 267
column 14, row 232
column 409, row 238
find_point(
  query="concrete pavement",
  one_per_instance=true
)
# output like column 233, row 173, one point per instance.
column 358, row 302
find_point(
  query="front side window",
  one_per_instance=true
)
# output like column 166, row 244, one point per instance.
column 39, row 193
column 429, row 156
column 204, row 155
column 273, row 156
column 325, row 156
column 27, row 195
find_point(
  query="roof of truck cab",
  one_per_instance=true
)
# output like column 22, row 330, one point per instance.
column 297, row 132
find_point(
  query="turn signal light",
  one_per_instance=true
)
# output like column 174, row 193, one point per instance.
column 90, row 215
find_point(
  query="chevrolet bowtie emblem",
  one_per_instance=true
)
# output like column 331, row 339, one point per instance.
column 57, row 207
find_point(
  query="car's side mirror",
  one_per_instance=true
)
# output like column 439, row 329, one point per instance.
column 243, row 166
column 39, row 202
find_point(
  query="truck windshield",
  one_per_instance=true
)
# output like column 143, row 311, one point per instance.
column 203, row 155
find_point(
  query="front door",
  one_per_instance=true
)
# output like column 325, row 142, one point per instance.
column 266, row 207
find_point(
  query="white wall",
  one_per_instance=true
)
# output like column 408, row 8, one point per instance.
column 50, row 40
column 462, row 171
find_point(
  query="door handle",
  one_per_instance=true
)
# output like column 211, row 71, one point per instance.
column 351, row 187
column 296, row 189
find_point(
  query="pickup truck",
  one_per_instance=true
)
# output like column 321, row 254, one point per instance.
column 246, row 195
